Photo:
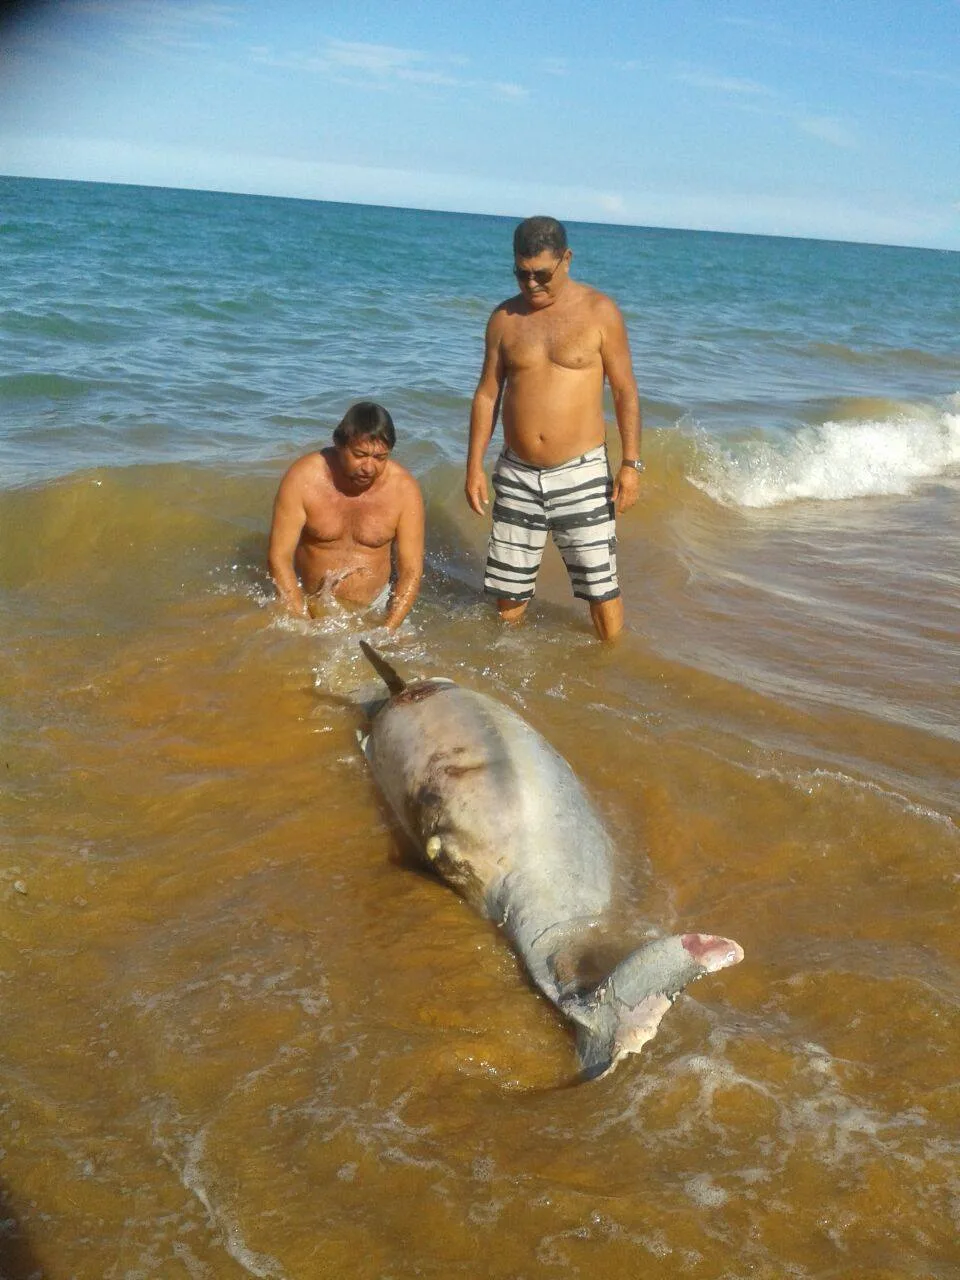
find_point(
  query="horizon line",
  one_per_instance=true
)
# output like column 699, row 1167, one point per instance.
column 413, row 208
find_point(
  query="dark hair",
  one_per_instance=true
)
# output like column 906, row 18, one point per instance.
column 537, row 235
column 366, row 419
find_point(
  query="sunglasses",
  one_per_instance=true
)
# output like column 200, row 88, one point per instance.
column 543, row 276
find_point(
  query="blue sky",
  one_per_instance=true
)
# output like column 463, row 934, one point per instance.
column 838, row 120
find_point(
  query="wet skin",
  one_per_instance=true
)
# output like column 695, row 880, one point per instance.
column 503, row 819
column 547, row 353
column 341, row 517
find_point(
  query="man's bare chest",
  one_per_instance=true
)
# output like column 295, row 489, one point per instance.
column 355, row 521
column 536, row 342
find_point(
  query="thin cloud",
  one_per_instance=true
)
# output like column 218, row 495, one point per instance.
column 377, row 59
column 771, row 32
column 384, row 66
column 724, row 84
column 796, row 38
column 140, row 25
column 611, row 204
column 756, row 26
column 828, row 129
column 431, row 77
column 376, row 62
column 147, row 12
column 917, row 75
column 504, row 90
column 746, row 94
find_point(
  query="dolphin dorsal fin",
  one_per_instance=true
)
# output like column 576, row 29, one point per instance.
column 383, row 668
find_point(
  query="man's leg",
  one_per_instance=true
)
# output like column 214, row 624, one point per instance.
column 512, row 611
column 607, row 617
column 581, row 518
column 517, row 537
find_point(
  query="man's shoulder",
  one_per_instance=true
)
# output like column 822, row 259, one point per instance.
column 307, row 467
column 508, row 309
column 498, row 315
column 598, row 310
column 401, row 477
column 593, row 299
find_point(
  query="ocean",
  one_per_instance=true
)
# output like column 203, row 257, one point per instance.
column 241, row 1036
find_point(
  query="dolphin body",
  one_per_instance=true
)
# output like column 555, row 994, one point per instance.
column 501, row 816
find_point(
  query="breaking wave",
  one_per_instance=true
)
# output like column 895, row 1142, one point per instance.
column 834, row 460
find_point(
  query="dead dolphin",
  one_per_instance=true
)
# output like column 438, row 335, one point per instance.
column 502, row 818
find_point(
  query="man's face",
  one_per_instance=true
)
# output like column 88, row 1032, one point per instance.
column 362, row 461
column 541, row 278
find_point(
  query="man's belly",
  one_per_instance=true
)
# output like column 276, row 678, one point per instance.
column 545, row 423
column 350, row 574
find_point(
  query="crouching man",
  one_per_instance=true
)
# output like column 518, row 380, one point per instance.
column 348, row 524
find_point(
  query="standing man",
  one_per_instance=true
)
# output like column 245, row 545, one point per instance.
column 343, row 516
column 548, row 351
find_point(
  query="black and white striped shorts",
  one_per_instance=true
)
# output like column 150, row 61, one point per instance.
column 574, row 503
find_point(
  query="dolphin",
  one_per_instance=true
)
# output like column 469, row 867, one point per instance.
column 502, row 818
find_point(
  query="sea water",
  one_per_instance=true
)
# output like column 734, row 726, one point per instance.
column 241, row 1035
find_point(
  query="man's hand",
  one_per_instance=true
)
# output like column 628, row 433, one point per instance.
column 476, row 491
column 292, row 600
column 626, row 489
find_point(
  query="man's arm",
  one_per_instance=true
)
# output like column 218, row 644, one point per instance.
column 408, row 546
column 483, row 414
column 289, row 517
column 615, row 352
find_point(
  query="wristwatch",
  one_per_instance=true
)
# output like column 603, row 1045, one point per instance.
column 636, row 463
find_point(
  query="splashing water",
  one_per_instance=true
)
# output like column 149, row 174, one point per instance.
column 835, row 460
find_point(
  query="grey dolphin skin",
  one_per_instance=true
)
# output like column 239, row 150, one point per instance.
column 502, row 818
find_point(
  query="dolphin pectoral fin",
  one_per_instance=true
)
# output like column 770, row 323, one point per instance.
column 363, row 739
column 625, row 1011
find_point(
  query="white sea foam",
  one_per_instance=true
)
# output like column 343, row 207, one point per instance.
column 835, row 460
column 191, row 1175
column 813, row 781
column 702, row 1190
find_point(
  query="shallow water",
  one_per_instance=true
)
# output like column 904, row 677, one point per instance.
column 244, row 1036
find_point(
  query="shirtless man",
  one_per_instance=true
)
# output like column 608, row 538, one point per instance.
column 548, row 351
column 342, row 516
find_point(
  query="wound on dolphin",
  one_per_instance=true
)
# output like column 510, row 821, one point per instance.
column 502, row 818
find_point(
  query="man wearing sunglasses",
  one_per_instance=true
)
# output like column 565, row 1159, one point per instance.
column 548, row 351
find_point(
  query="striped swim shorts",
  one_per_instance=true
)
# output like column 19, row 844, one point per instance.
column 574, row 503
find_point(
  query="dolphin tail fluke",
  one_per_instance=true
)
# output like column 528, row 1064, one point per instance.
column 383, row 668
column 624, row 1012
